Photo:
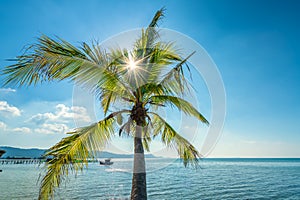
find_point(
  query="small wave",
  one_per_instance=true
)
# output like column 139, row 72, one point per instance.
column 116, row 170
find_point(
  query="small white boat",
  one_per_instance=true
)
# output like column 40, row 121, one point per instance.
column 106, row 162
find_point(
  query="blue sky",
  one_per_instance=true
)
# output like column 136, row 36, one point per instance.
column 255, row 45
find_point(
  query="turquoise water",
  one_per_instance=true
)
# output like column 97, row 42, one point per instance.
column 166, row 179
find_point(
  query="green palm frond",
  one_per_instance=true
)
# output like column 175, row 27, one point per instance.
column 161, row 56
column 109, row 96
column 146, row 143
column 146, row 136
column 164, row 54
column 106, row 98
column 150, row 89
column 157, row 17
column 149, row 36
column 172, row 83
column 72, row 153
column 151, row 31
column 58, row 60
column 175, row 80
column 59, row 46
column 95, row 53
column 181, row 104
column 38, row 64
column 126, row 127
column 186, row 151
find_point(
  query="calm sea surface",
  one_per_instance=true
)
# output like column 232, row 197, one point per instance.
column 166, row 179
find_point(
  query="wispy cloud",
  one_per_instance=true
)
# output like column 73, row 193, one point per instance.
column 63, row 114
column 8, row 110
column 7, row 90
column 52, row 129
column 21, row 130
column 2, row 125
column 6, row 128
column 56, row 122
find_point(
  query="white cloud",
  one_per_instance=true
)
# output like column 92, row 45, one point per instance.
column 72, row 113
column 22, row 130
column 6, row 90
column 41, row 118
column 2, row 125
column 52, row 129
column 6, row 128
column 6, row 109
column 63, row 114
column 56, row 122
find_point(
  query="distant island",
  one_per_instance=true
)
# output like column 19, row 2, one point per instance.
column 13, row 152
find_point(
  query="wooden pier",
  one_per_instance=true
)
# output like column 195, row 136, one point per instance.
column 20, row 161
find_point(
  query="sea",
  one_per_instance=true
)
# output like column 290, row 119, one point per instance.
column 216, row 178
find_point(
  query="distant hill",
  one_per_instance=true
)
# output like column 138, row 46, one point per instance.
column 22, row 153
column 14, row 152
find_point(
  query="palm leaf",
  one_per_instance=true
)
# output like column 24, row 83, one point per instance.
column 58, row 60
column 95, row 53
column 72, row 153
column 181, row 104
column 148, row 37
column 151, row 32
column 158, row 16
column 126, row 127
column 161, row 56
column 186, row 151
column 175, row 80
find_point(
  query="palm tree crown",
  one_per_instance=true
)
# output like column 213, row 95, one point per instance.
column 142, row 80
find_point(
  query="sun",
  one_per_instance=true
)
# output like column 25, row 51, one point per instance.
column 131, row 64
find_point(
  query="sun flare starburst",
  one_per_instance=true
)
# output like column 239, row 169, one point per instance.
column 131, row 63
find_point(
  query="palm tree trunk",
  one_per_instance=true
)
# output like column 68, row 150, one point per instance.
column 139, row 188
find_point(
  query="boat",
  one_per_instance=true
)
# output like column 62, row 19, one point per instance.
column 106, row 162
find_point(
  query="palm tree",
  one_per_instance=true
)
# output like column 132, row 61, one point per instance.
column 142, row 80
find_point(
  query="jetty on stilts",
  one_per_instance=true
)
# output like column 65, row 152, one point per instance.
column 10, row 161
column 1, row 153
column 16, row 160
